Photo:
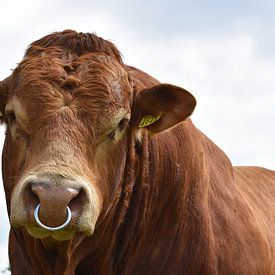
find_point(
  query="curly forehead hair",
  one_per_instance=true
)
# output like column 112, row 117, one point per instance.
column 73, row 43
column 61, row 61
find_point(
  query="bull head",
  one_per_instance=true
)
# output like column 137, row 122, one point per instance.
column 71, row 121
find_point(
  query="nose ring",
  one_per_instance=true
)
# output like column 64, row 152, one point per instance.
column 36, row 216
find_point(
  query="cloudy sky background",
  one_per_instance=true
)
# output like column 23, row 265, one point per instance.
column 222, row 51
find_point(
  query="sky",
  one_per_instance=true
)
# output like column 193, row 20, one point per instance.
column 221, row 51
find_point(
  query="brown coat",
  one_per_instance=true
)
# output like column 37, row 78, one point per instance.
column 170, row 200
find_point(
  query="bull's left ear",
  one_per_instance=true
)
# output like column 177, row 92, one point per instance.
column 162, row 107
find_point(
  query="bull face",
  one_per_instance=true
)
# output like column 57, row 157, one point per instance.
column 64, row 145
column 69, row 128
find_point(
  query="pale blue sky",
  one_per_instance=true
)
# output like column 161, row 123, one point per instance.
column 222, row 51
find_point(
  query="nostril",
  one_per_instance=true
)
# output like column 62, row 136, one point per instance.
column 40, row 188
column 73, row 192
column 31, row 199
column 76, row 203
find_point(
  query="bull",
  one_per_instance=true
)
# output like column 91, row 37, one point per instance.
column 105, row 173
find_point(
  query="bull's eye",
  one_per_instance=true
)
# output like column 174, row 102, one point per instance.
column 10, row 119
column 123, row 124
column 115, row 134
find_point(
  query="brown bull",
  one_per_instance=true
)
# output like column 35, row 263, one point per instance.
column 91, row 141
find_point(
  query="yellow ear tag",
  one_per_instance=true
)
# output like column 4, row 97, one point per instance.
column 1, row 114
column 148, row 120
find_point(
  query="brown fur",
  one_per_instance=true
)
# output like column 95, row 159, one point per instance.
column 172, row 203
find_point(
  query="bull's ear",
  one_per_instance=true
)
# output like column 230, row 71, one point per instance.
column 3, row 98
column 162, row 107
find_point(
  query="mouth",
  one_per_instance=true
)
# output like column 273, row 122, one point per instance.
column 66, row 231
column 40, row 230
column 40, row 233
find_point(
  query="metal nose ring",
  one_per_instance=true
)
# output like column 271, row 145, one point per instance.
column 36, row 216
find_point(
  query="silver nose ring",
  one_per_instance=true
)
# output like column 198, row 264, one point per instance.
column 36, row 216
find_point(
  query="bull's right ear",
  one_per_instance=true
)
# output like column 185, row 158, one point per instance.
column 3, row 98
column 162, row 107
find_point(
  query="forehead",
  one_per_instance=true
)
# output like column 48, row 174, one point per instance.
column 94, row 80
